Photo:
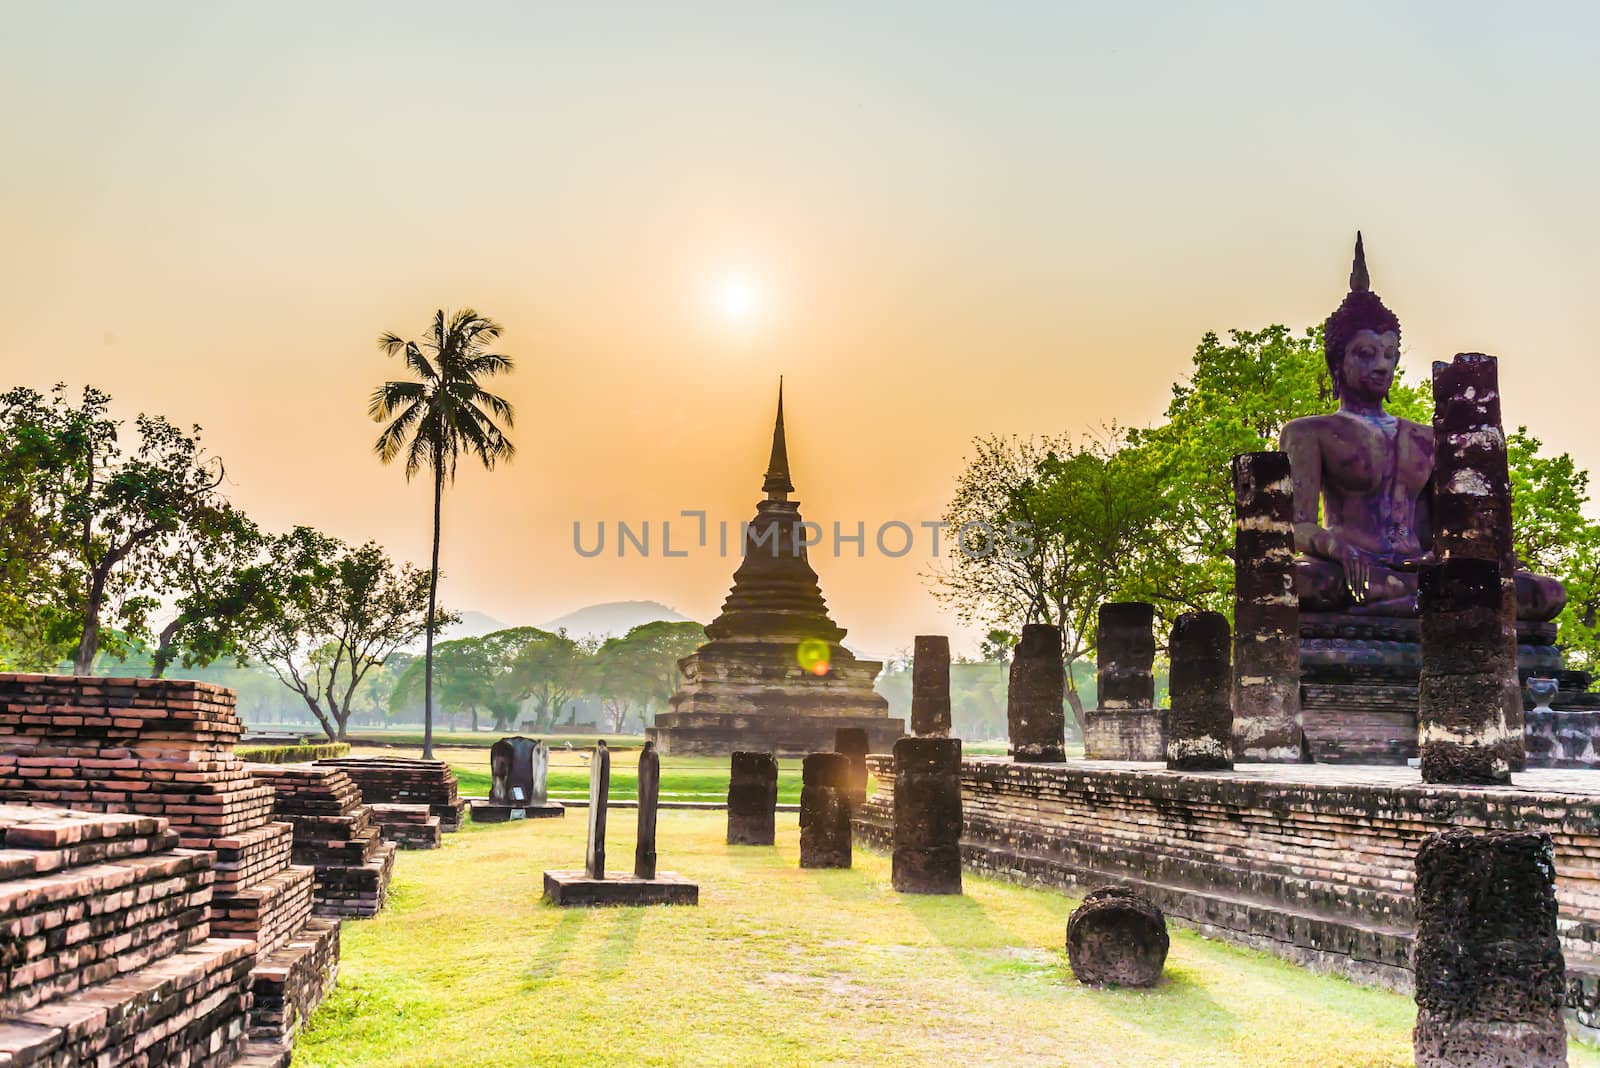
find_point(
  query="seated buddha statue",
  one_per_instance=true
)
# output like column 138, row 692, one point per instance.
column 1362, row 478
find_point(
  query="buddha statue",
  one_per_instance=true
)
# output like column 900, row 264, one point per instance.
column 1362, row 478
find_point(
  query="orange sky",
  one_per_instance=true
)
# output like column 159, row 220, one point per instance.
column 965, row 222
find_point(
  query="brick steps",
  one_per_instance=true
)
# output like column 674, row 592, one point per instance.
column 105, row 949
column 164, row 748
column 409, row 826
column 335, row 834
column 405, row 781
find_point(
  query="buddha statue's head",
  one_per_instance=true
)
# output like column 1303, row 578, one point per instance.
column 1361, row 339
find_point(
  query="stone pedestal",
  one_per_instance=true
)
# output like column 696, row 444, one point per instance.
column 1117, row 937
column 1472, row 506
column 930, row 686
column 1127, row 725
column 852, row 742
column 752, row 799
column 825, row 811
column 1266, row 612
column 646, row 886
column 519, row 768
column 1200, row 722
column 1034, row 715
column 927, row 816
column 1490, row 977
column 1462, row 732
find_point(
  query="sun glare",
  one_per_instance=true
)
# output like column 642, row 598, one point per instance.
column 738, row 299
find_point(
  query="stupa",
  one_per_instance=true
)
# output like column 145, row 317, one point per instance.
column 774, row 677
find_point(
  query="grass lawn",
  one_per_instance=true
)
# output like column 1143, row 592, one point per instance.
column 779, row 966
column 687, row 778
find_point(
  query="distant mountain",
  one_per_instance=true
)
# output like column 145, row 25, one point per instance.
column 613, row 619
column 472, row 625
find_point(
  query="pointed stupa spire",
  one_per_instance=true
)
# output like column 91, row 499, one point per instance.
column 1360, row 281
column 777, row 485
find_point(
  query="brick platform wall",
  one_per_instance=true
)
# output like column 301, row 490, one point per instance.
column 1314, row 864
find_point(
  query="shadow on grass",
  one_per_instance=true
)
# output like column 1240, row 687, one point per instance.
column 618, row 947
column 542, row 968
column 748, row 858
column 981, row 946
column 1178, row 1001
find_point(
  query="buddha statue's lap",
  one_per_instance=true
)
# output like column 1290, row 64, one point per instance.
column 1362, row 479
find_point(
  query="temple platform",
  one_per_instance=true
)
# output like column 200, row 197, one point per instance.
column 1313, row 863
column 575, row 888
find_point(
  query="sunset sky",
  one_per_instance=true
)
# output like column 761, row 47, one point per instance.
column 936, row 221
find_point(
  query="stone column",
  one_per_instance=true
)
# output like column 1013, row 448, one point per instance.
column 1461, row 725
column 594, row 864
column 1200, row 723
column 1266, row 611
column 644, row 852
column 1490, row 978
column 1472, row 504
column 1033, row 699
column 1125, row 656
column 1125, row 724
column 927, row 816
column 854, row 743
column 752, row 799
column 825, row 811
column 930, row 686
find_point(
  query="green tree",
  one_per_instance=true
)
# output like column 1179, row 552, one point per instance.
column 552, row 669
column 341, row 612
column 220, row 579
column 1082, row 516
column 95, row 526
column 623, row 677
column 659, row 646
column 434, row 418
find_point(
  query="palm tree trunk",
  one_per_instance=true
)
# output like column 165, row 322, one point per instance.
column 433, row 595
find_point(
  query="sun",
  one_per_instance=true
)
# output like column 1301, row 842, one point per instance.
column 738, row 298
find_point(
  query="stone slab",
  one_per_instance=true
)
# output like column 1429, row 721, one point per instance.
column 575, row 888
column 488, row 812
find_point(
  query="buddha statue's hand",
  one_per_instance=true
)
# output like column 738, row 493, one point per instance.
column 1357, row 572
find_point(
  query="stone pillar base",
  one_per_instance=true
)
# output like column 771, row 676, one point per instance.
column 1124, row 734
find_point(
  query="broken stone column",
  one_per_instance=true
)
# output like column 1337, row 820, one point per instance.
column 644, row 852
column 1471, row 507
column 1125, row 725
column 1266, row 611
column 1034, row 715
column 1490, row 977
column 752, row 799
column 1117, row 937
column 825, row 811
column 927, row 816
column 594, row 861
column 1461, row 723
column 854, row 743
column 1200, row 722
column 930, row 686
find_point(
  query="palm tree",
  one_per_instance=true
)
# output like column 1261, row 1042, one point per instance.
column 436, row 418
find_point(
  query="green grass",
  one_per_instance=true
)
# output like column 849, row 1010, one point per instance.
column 687, row 778
column 780, row 966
